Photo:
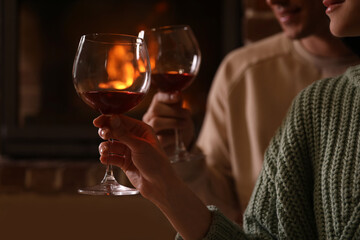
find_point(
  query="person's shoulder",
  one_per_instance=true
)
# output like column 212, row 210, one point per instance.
column 351, row 78
column 271, row 47
column 353, row 72
column 333, row 88
column 261, row 53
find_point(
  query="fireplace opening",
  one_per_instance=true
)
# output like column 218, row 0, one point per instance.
column 41, row 114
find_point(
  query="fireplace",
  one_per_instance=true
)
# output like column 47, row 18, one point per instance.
column 41, row 115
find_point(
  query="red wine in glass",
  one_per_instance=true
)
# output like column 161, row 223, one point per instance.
column 112, row 102
column 171, row 81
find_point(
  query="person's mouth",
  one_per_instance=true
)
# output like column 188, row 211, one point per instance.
column 331, row 5
column 287, row 14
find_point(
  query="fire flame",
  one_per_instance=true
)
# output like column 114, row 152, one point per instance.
column 121, row 71
column 153, row 49
column 186, row 104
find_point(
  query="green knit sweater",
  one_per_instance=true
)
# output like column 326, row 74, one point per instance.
column 309, row 187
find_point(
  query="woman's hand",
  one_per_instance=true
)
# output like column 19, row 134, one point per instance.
column 137, row 152
column 164, row 115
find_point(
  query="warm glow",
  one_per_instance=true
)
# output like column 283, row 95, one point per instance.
column 152, row 63
column 186, row 104
column 121, row 72
column 142, row 68
column 161, row 7
column 153, row 49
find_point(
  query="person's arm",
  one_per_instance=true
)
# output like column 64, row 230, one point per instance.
column 138, row 153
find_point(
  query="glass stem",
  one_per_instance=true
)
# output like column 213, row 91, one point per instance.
column 109, row 174
column 179, row 143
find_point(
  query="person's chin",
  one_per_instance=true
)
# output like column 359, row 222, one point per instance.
column 343, row 30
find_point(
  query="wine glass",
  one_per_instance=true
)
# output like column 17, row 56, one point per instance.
column 111, row 73
column 175, row 60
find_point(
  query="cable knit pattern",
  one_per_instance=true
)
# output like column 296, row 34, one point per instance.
column 309, row 187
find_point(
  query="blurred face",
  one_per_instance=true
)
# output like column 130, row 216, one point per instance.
column 300, row 18
column 344, row 17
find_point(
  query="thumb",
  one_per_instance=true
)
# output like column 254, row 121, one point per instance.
column 168, row 98
column 131, row 132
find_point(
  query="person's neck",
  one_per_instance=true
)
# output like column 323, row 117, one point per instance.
column 325, row 45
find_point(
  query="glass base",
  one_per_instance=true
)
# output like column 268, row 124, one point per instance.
column 109, row 188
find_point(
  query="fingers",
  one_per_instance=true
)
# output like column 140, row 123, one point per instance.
column 165, row 111
column 168, row 98
column 114, row 160
column 162, row 117
column 167, row 141
column 136, row 151
column 111, row 126
column 160, row 124
column 164, row 105
column 100, row 120
column 115, row 153
column 114, row 148
column 125, row 130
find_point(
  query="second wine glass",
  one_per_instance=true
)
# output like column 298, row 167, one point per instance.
column 175, row 61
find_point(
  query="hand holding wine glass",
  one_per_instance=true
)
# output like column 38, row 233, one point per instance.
column 164, row 114
column 175, row 60
column 111, row 73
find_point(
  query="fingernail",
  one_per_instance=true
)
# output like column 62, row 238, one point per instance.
column 102, row 149
column 173, row 96
column 102, row 132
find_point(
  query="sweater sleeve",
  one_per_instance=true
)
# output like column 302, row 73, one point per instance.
column 221, row 227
